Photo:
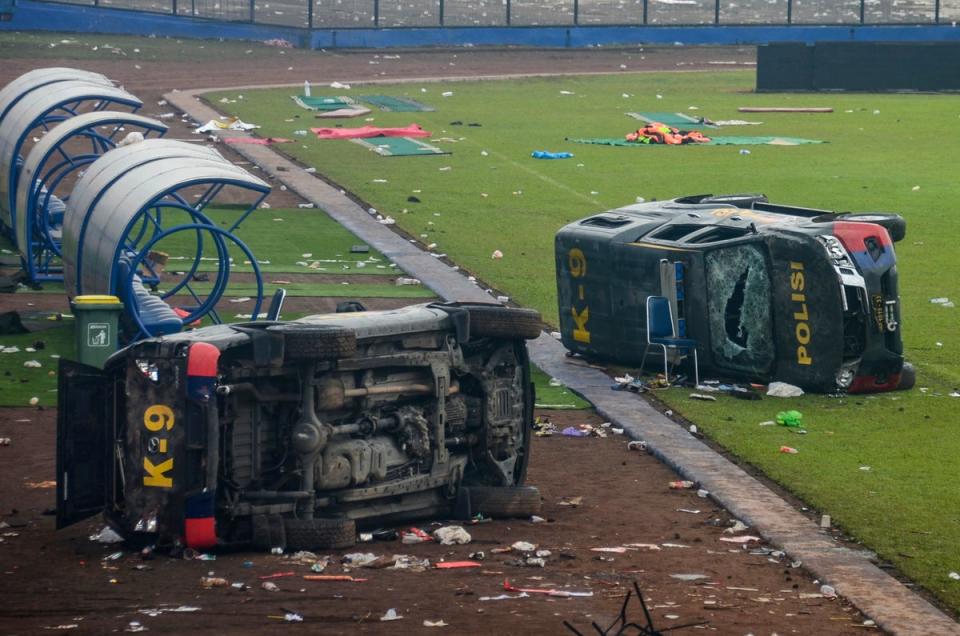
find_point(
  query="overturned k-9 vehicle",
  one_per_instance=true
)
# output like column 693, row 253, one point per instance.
column 288, row 434
column 762, row 291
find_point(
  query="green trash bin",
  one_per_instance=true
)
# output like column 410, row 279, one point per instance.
column 96, row 336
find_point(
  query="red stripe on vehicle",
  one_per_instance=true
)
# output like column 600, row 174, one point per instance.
column 202, row 360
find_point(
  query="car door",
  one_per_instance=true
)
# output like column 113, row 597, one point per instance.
column 84, row 408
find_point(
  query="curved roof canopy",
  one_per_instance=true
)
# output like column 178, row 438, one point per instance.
column 53, row 159
column 41, row 108
column 32, row 80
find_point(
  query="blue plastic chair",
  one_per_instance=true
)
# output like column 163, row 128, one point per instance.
column 660, row 333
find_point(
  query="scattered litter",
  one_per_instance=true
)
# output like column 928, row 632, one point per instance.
column 688, row 511
column 108, row 535
column 439, row 623
column 504, row 597
column 292, row 617
column 391, row 615
column 523, row 546
column 955, row 576
column 738, row 526
column 789, row 418
column 783, row 390
column 359, row 559
column 332, row 577
column 649, row 546
column 789, row 450
column 573, row 431
column 637, row 445
column 828, row 591
column 674, row 545
column 570, row 501
column 546, row 154
column 613, row 550
column 164, row 610
column 270, row 586
column 548, row 592
column 456, row 565
column 536, row 519
column 213, row 581
column 825, row 521
column 701, row 396
column 682, row 484
column 407, row 562
column 747, row 538
column 450, row 535
column 497, row 254
column 275, row 575
column 414, row 535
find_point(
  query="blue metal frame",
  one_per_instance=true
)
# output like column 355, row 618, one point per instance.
column 45, row 119
column 39, row 253
column 204, row 307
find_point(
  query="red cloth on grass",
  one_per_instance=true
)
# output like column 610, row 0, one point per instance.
column 413, row 130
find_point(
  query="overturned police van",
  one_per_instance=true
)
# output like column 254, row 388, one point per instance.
column 767, row 291
column 289, row 434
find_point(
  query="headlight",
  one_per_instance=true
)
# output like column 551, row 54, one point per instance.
column 834, row 248
column 845, row 377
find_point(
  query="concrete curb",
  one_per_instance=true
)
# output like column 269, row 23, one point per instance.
column 892, row 605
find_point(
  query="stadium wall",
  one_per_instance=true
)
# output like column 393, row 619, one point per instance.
column 30, row 15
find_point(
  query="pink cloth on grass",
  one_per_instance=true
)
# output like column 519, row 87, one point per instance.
column 413, row 130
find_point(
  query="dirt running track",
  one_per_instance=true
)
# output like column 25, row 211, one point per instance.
column 53, row 580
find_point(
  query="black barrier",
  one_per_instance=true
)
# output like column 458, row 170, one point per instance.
column 859, row 66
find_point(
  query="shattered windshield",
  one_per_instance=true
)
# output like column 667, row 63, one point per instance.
column 738, row 300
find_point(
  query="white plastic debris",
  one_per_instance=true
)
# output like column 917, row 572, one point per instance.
column 34, row 401
column 497, row 254
column 451, row 535
column 132, row 138
column 429, row 623
column 32, row 364
column 783, row 390
column 106, row 536
column 391, row 615
column 523, row 546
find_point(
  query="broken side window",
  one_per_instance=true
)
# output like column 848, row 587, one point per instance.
column 738, row 300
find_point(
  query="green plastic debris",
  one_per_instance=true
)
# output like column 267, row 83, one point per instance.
column 789, row 418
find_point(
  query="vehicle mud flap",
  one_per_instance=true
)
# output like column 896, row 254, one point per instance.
column 268, row 532
column 499, row 502
column 84, row 401
column 267, row 346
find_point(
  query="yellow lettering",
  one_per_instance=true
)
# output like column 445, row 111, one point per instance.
column 796, row 281
column 156, row 475
column 796, row 265
column 581, row 334
column 801, row 315
column 802, row 357
column 803, row 333
column 577, row 263
column 158, row 417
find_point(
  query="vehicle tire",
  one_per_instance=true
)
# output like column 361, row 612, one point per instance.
column 908, row 377
column 268, row 532
column 894, row 224
column 320, row 534
column 303, row 341
column 504, row 502
column 495, row 321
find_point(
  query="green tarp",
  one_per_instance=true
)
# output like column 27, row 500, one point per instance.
column 399, row 146
column 323, row 103
column 396, row 104
column 674, row 120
